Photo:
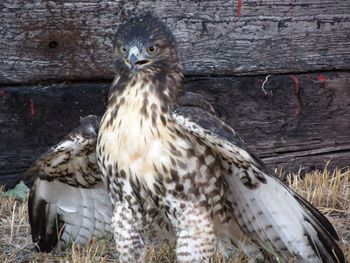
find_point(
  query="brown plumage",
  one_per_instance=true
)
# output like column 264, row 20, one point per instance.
column 167, row 159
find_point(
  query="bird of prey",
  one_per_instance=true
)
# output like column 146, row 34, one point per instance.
column 165, row 156
column 68, row 201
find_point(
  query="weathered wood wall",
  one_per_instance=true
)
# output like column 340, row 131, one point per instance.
column 295, row 120
column 301, row 117
column 71, row 40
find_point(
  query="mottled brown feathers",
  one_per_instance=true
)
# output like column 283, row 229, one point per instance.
column 77, row 149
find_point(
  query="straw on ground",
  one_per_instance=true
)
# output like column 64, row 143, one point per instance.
column 330, row 192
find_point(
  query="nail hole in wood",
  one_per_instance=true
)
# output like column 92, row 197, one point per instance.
column 53, row 44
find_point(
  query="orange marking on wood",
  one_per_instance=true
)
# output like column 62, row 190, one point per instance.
column 321, row 78
column 297, row 93
column 32, row 107
column 239, row 7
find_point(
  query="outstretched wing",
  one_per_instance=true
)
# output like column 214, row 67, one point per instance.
column 270, row 213
column 68, row 201
column 73, row 160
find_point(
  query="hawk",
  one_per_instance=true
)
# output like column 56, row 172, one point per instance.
column 166, row 157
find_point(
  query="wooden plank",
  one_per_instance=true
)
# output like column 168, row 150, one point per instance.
column 295, row 120
column 33, row 118
column 292, row 121
column 71, row 40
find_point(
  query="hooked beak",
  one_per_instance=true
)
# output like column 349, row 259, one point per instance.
column 136, row 59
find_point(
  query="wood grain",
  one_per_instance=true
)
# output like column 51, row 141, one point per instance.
column 291, row 121
column 71, row 40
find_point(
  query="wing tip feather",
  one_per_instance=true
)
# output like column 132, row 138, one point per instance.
column 43, row 229
column 326, row 247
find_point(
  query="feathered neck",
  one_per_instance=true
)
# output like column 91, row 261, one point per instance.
column 163, row 82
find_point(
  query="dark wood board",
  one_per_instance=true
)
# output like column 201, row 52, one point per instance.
column 291, row 121
column 71, row 40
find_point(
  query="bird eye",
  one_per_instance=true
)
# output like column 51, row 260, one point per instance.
column 122, row 49
column 151, row 50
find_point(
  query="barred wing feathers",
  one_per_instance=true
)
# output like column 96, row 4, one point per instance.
column 272, row 215
column 68, row 201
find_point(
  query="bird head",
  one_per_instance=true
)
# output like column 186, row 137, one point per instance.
column 145, row 44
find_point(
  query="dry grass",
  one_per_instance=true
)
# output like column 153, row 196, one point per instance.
column 329, row 192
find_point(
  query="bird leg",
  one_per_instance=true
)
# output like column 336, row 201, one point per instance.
column 196, row 240
column 127, row 227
